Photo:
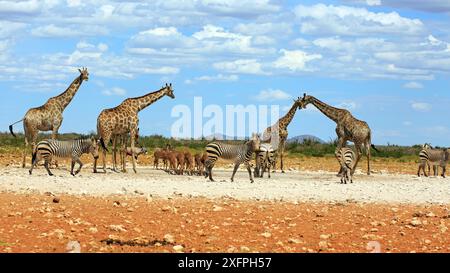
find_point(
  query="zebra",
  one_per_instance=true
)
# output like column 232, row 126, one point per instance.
column 346, row 157
column 265, row 158
column 48, row 148
column 437, row 158
column 239, row 153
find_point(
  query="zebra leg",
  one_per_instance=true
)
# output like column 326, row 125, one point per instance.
column 249, row 171
column 210, row 173
column 33, row 164
column 46, row 166
column 80, row 166
column 236, row 167
column 72, row 166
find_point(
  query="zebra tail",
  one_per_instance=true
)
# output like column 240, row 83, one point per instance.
column 373, row 146
column 11, row 127
column 103, row 144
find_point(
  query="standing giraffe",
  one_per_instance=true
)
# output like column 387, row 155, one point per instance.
column 49, row 116
column 123, row 119
column 277, row 134
column 348, row 128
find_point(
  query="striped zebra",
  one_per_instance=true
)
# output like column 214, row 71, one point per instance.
column 346, row 157
column 239, row 153
column 265, row 158
column 436, row 157
column 49, row 148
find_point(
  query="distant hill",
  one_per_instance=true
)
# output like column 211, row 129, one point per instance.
column 302, row 138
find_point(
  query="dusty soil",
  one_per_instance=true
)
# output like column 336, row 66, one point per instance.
column 34, row 223
column 303, row 210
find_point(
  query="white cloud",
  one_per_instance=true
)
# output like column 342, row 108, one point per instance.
column 295, row 60
column 115, row 91
column 413, row 85
column 421, row 106
column 78, row 31
column 345, row 20
column 349, row 105
column 238, row 8
column 272, row 95
column 373, row 2
column 241, row 66
column 20, row 7
column 215, row 78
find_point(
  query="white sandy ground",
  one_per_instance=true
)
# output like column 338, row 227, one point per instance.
column 294, row 186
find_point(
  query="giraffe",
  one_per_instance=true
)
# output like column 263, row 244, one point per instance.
column 348, row 128
column 123, row 119
column 49, row 116
column 277, row 133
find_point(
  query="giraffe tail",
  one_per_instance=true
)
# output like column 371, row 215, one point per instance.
column 11, row 127
column 103, row 144
column 373, row 146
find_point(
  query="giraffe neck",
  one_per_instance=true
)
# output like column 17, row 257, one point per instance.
column 329, row 111
column 286, row 119
column 66, row 97
column 140, row 103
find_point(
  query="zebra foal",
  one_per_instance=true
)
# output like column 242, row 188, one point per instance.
column 239, row 153
column 346, row 157
column 49, row 148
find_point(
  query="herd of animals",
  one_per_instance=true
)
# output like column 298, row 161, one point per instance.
column 120, row 126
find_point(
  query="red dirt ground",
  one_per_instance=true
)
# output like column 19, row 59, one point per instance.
column 34, row 223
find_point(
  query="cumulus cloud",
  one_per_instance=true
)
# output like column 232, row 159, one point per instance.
column 244, row 66
column 413, row 85
column 214, row 78
column 421, row 106
column 272, row 95
column 115, row 91
column 295, row 60
column 345, row 20
column 73, row 31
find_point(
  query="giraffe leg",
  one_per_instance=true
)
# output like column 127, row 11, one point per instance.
column 133, row 155
column 358, row 157
column 340, row 144
column 123, row 156
column 54, row 135
column 24, row 154
column 114, row 153
column 368, row 158
column 282, row 158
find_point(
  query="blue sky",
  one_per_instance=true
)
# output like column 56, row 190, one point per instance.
column 387, row 61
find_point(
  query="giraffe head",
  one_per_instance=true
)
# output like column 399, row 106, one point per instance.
column 84, row 74
column 304, row 101
column 168, row 90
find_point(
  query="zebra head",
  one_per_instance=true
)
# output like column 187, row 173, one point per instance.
column 255, row 142
column 427, row 146
column 93, row 148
